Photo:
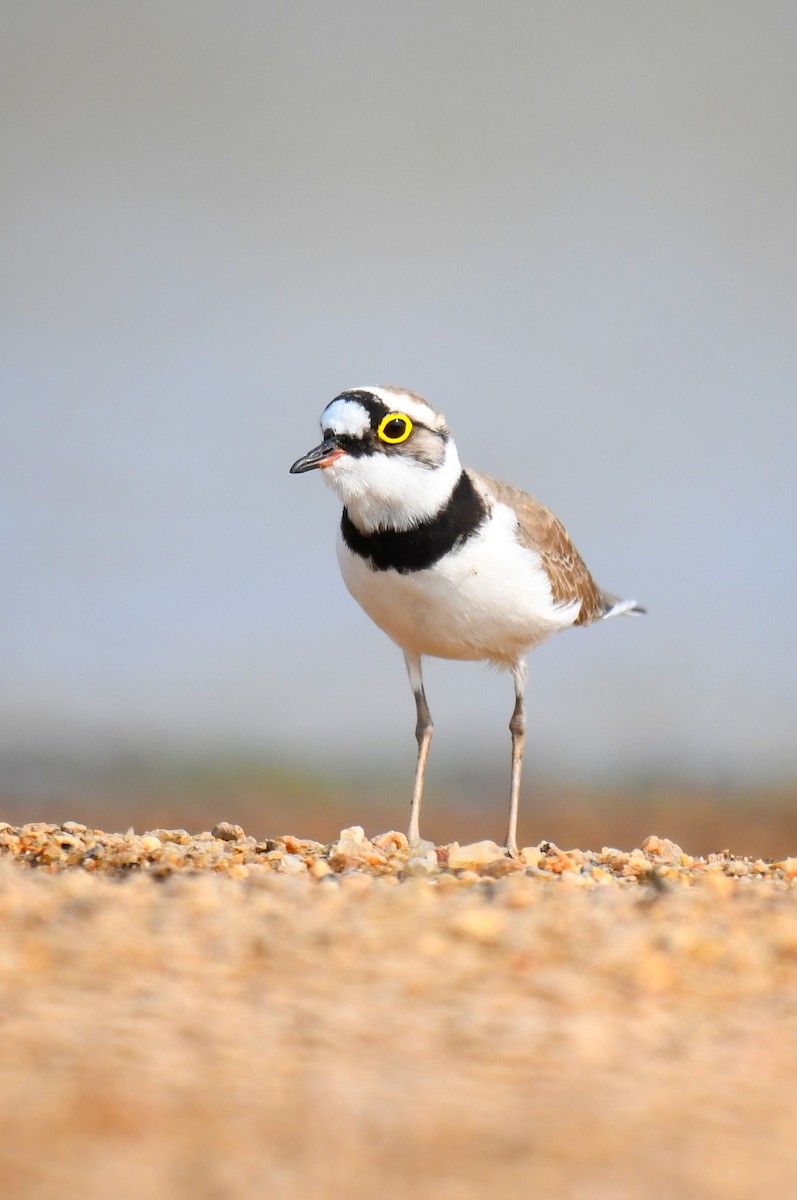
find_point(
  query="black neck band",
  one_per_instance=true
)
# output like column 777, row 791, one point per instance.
column 416, row 549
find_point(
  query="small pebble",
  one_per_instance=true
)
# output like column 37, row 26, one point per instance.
column 662, row 849
column 421, row 865
column 227, row 832
column 293, row 864
column 474, row 854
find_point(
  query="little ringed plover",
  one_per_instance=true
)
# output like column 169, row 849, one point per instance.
column 447, row 561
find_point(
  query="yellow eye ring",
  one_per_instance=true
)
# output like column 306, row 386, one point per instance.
column 396, row 420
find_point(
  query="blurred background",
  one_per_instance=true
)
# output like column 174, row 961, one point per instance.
column 573, row 227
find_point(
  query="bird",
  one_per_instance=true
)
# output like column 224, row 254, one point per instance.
column 447, row 561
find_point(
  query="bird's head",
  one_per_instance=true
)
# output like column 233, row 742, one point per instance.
column 387, row 454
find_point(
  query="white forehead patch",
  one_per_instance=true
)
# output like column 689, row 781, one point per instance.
column 346, row 418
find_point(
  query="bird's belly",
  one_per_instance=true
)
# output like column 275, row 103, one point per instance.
column 489, row 599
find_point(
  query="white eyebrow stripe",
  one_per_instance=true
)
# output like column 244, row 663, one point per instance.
column 402, row 402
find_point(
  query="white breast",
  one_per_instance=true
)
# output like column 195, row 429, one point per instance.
column 489, row 599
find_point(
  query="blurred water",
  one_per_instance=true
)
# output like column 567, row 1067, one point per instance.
column 572, row 228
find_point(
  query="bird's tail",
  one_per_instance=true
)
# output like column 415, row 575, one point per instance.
column 615, row 607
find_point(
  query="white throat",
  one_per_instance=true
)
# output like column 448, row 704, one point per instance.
column 383, row 491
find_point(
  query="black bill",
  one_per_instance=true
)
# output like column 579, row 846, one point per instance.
column 321, row 456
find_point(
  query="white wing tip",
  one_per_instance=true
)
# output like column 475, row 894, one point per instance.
column 620, row 607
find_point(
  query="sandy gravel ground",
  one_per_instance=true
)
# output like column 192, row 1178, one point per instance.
column 218, row 1018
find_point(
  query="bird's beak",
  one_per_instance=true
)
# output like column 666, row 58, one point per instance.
column 321, row 456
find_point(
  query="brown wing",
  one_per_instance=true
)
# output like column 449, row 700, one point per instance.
column 540, row 530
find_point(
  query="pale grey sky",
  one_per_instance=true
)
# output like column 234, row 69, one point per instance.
column 572, row 226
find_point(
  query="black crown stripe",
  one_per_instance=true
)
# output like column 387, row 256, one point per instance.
column 376, row 408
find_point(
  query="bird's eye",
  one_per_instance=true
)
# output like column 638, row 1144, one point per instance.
column 394, row 428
